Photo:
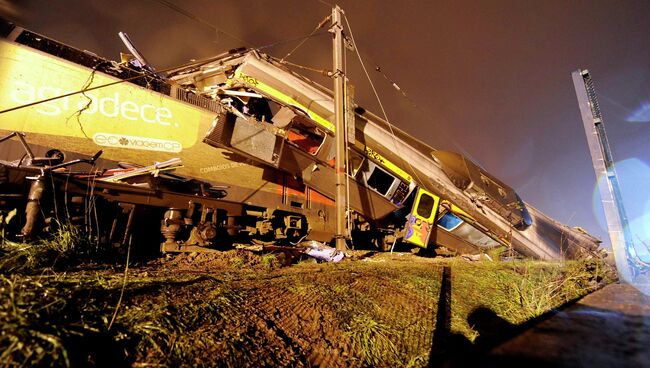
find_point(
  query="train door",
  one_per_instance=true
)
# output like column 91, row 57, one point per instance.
column 421, row 219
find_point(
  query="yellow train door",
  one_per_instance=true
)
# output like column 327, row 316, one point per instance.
column 421, row 219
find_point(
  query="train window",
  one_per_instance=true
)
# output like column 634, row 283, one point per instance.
column 425, row 206
column 449, row 221
column 259, row 108
column 381, row 181
column 474, row 236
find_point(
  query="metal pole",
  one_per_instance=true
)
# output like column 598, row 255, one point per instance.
column 601, row 156
column 339, row 115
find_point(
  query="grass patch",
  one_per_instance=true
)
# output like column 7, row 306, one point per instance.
column 66, row 246
column 269, row 261
column 256, row 314
column 521, row 290
column 61, row 320
column 372, row 341
column 237, row 262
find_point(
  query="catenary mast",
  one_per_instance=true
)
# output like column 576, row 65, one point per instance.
column 339, row 115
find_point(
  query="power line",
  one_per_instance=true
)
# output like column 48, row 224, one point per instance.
column 290, row 40
column 319, row 26
column 201, row 21
column 419, row 108
column 211, row 26
column 381, row 105
column 326, row 3
column 324, row 72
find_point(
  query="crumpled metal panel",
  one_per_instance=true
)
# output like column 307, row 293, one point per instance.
column 487, row 189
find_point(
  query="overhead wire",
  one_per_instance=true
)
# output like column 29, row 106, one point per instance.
column 273, row 44
column 319, row 26
column 381, row 105
column 423, row 110
column 394, row 84
column 326, row 3
column 211, row 26
column 312, row 69
column 202, row 21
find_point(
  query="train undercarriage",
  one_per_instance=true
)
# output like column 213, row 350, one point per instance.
column 41, row 195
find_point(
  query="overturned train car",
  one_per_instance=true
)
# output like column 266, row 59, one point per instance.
column 256, row 147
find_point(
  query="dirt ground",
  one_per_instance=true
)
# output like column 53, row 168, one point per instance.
column 239, row 308
column 360, row 313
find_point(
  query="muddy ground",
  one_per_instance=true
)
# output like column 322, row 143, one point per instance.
column 239, row 308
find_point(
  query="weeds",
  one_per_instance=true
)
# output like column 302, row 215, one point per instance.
column 269, row 261
column 28, row 336
column 521, row 290
column 237, row 262
column 380, row 314
column 67, row 245
column 6, row 220
column 539, row 292
column 372, row 341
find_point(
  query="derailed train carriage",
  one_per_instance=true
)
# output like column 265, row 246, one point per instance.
column 256, row 142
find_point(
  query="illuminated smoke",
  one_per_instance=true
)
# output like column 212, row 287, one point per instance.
column 640, row 115
column 633, row 175
column 10, row 11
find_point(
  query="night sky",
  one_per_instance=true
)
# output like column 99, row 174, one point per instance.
column 489, row 79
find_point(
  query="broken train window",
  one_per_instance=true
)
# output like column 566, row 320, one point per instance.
column 300, row 131
column 380, row 180
column 304, row 135
column 449, row 221
column 249, row 103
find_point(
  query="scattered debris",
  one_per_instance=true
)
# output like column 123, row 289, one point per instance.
column 118, row 175
column 312, row 248
column 321, row 251
column 476, row 257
